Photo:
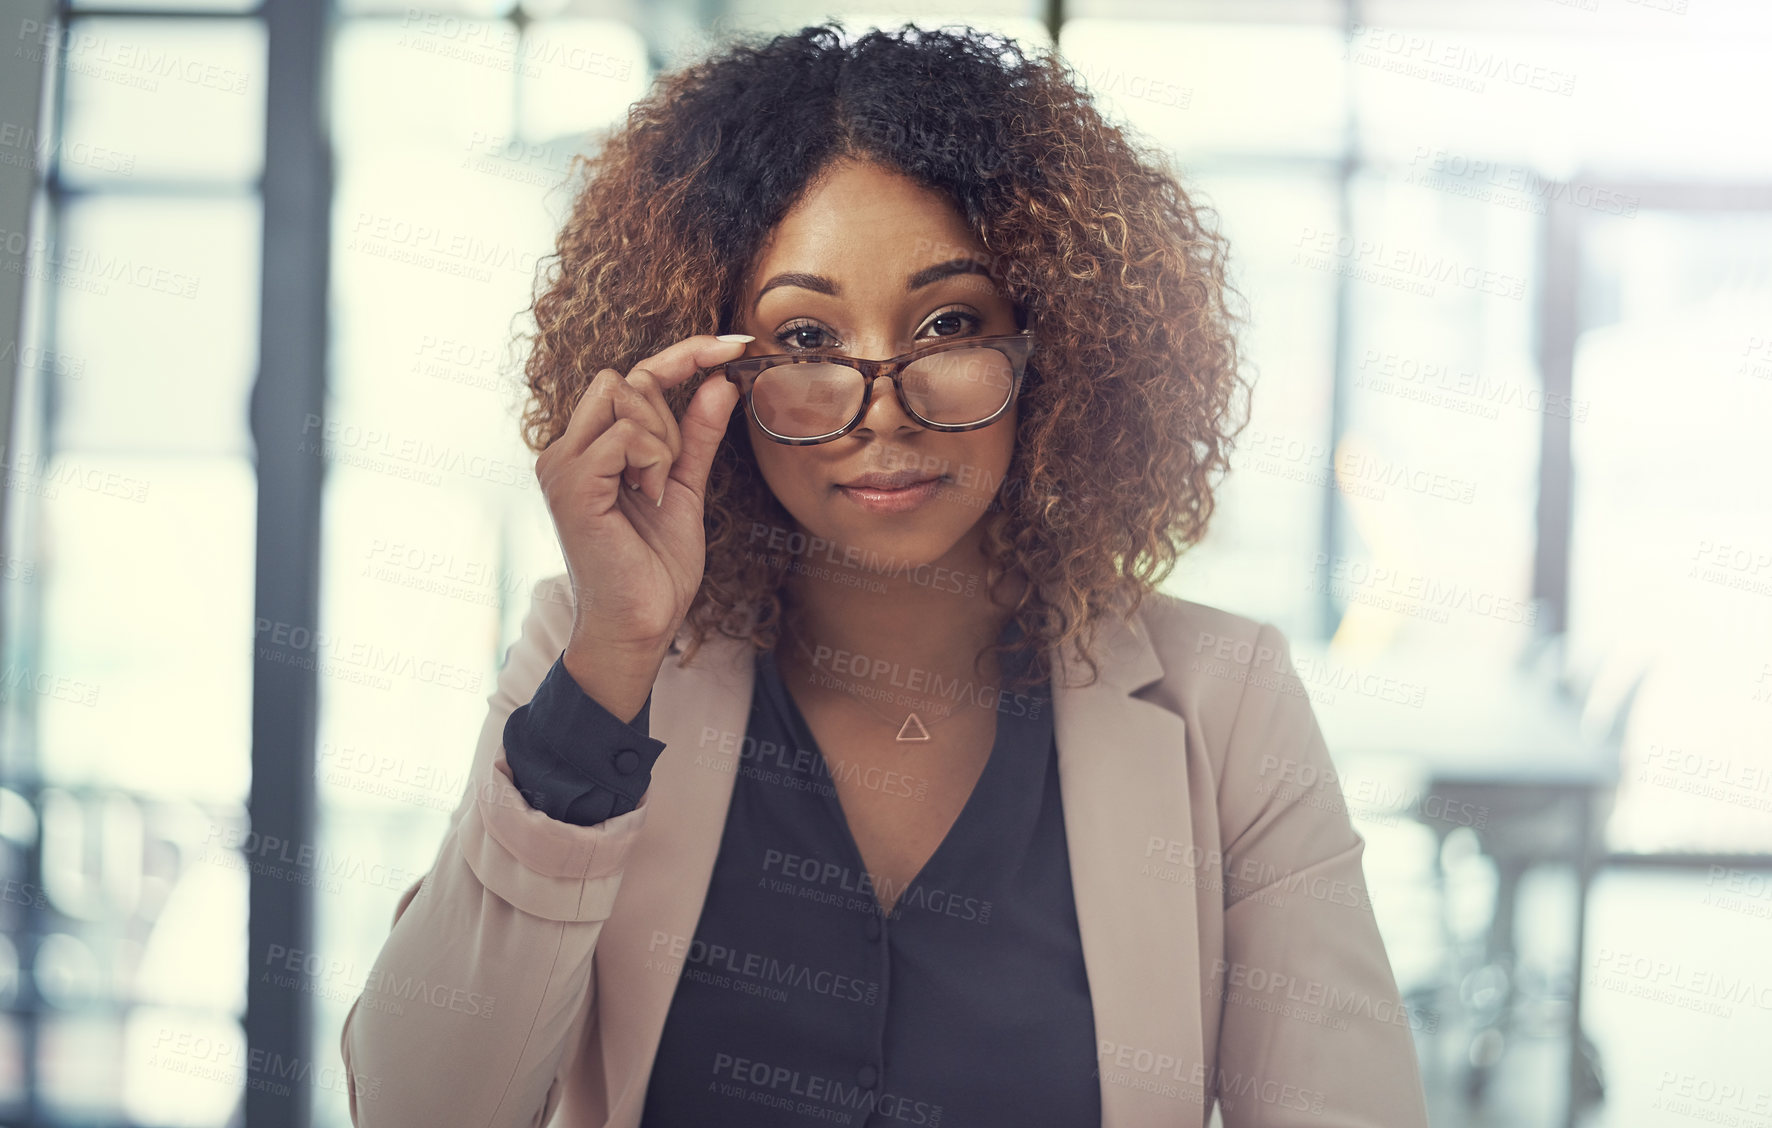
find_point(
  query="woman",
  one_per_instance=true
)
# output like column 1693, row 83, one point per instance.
column 923, row 806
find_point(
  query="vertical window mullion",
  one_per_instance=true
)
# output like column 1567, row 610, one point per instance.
column 290, row 389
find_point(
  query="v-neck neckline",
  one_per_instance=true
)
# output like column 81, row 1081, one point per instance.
column 770, row 674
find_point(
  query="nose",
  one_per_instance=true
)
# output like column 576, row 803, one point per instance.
column 885, row 415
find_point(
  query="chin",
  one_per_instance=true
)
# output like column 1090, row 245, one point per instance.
column 908, row 539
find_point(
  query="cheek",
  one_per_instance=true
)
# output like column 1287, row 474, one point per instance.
column 776, row 476
column 997, row 448
column 978, row 469
column 787, row 474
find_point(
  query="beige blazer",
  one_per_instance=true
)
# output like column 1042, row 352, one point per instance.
column 1230, row 946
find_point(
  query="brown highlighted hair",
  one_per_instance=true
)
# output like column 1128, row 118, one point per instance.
column 1133, row 395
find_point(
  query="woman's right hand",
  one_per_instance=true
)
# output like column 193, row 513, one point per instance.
column 634, row 564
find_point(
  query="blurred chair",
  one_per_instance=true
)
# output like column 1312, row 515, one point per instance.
column 1524, row 763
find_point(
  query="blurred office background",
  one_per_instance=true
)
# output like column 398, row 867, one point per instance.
column 269, row 529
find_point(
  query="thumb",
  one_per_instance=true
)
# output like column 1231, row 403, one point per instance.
column 702, row 427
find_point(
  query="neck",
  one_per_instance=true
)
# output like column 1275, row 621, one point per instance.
column 919, row 620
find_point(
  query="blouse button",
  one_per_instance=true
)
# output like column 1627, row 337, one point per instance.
column 873, row 928
column 866, row 1076
column 626, row 761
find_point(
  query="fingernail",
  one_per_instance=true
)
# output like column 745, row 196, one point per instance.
column 737, row 338
column 660, row 502
column 633, row 485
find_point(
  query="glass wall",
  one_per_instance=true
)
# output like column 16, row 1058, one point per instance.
column 129, row 563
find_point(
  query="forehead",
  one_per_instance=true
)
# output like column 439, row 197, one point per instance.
column 863, row 219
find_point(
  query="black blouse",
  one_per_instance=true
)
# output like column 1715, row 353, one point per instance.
column 799, row 1001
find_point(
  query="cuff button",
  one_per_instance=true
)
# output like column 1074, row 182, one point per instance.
column 627, row 761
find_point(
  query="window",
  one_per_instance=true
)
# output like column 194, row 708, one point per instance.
column 130, row 566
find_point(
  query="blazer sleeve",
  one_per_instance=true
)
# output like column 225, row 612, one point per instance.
column 485, row 977
column 1313, row 1031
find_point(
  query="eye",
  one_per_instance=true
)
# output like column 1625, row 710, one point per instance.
column 953, row 322
column 804, row 335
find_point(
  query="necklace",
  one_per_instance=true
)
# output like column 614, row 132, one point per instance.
column 912, row 731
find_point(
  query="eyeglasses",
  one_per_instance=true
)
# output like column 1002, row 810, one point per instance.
column 814, row 397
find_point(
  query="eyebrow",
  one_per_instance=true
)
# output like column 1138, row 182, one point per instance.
column 818, row 283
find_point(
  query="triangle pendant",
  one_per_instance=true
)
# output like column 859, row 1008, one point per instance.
column 913, row 729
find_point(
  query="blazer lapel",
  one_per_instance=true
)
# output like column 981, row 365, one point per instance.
column 1122, row 769
column 701, row 712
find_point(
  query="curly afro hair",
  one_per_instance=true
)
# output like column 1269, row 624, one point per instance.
column 1134, row 395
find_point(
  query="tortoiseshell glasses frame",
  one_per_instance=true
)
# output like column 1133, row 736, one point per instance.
column 744, row 372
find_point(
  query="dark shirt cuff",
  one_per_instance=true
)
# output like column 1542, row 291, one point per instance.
column 574, row 760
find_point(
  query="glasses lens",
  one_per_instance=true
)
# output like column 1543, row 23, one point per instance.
column 804, row 401
column 959, row 386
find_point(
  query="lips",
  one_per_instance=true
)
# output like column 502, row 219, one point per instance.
column 896, row 480
column 902, row 500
